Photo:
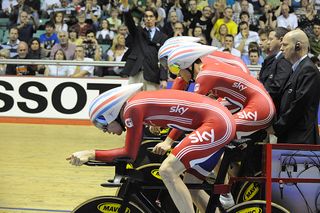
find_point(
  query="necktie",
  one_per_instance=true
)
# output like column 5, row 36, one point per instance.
column 148, row 34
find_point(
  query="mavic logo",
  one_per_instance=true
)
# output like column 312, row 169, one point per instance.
column 179, row 109
column 239, row 86
column 248, row 115
column 204, row 136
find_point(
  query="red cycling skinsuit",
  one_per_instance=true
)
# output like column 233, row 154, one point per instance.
column 212, row 126
column 221, row 79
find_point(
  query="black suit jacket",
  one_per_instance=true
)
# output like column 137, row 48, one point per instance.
column 143, row 53
column 297, row 120
column 273, row 75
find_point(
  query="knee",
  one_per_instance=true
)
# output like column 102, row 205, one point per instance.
column 165, row 172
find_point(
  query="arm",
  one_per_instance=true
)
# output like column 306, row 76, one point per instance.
column 305, row 93
column 281, row 74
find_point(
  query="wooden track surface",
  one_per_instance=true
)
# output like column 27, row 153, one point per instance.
column 35, row 177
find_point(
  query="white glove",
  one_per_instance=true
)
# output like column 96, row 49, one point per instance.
column 81, row 157
column 162, row 148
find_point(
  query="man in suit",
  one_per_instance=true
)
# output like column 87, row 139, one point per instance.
column 142, row 60
column 297, row 119
column 275, row 69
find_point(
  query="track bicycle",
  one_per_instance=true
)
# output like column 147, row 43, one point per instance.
column 142, row 190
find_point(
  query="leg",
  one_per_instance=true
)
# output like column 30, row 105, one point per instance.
column 170, row 171
column 200, row 197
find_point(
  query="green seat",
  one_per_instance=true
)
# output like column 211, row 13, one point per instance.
column 38, row 33
column 4, row 22
column 5, row 37
column 1, row 35
column 104, row 47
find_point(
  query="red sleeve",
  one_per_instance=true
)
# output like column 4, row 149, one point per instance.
column 179, row 84
column 175, row 134
column 134, row 134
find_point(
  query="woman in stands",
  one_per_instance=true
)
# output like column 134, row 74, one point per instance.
column 58, row 20
column 59, row 70
column 105, row 35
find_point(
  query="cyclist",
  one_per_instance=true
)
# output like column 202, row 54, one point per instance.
column 251, row 104
column 212, row 127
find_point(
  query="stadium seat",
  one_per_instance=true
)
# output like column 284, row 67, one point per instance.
column 4, row 23
column 5, row 37
column 38, row 33
column 104, row 47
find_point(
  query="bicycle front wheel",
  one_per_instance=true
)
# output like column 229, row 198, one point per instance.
column 258, row 206
column 106, row 204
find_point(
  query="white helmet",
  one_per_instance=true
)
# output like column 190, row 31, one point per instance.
column 106, row 107
column 184, row 56
column 171, row 44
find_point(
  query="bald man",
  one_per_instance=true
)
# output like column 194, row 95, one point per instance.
column 21, row 69
column 297, row 119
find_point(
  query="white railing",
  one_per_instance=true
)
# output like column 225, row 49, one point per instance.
column 93, row 63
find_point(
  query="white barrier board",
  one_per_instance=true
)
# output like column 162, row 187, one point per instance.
column 46, row 97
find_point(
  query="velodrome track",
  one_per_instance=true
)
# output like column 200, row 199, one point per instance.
column 35, row 177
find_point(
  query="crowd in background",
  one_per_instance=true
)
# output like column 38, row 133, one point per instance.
column 94, row 30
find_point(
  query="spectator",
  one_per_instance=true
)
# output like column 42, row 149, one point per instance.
column 178, row 8
column 14, row 16
column 92, row 10
column 59, row 70
column 123, row 29
column 20, row 69
column 91, row 46
column 142, row 60
column 244, row 16
column 297, row 118
column 73, row 37
column 219, row 40
column 244, row 7
column 49, row 38
column 116, row 52
column 191, row 14
column 306, row 22
column 254, row 57
column 315, row 41
column 244, row 37
column 229, row 46
column 82, row 27
column 7, row 7
column 264, row 45
column 161, row 13
column 105, row 35
column 114, row 21
column 168, row 28
column 4, row 54
column 302, row 9
column 49, row 5
column 82, row 71
column 227, row 20
column 268, row 20
column 26, row 30
column 35, row 50
column 252, row 46
column 238, row 6
column 287, row 20
column 204, row 22
column 65, row 45
column 275, row 69
column 12, row 44
column 178, row 29
column 58, row 20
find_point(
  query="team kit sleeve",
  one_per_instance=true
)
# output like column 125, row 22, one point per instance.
column 134, row 131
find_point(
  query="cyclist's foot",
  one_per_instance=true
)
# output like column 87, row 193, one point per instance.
column 226, row 200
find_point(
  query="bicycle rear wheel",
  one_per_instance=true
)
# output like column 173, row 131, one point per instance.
column 106, row 204
column 258, row 206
